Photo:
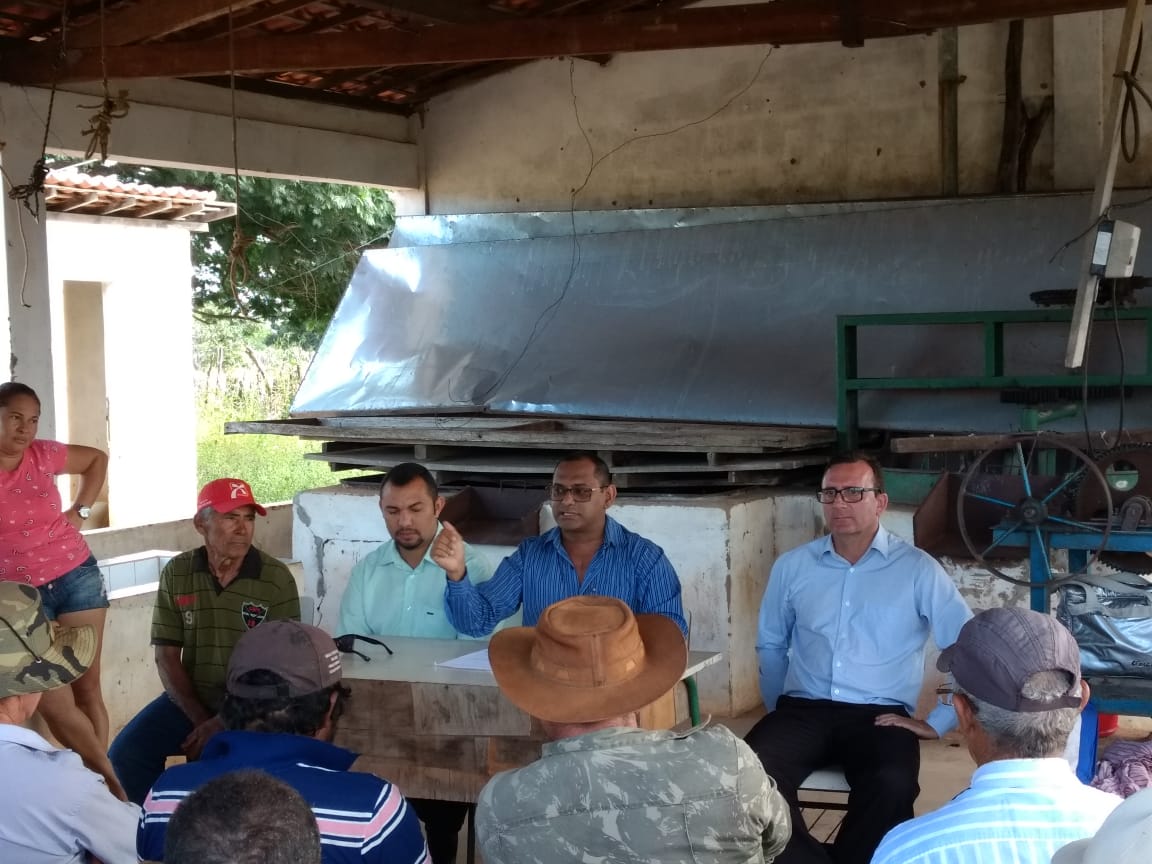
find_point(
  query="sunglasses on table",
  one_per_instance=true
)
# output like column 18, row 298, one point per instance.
column 346, row 645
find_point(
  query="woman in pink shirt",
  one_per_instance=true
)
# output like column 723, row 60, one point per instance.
column 41, row 545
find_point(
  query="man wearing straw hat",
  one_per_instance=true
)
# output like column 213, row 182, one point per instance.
column 55, row 810
column 605, row 790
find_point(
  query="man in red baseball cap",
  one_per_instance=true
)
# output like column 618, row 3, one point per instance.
column 207, row 599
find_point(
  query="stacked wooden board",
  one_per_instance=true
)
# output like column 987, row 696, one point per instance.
column 491, row 449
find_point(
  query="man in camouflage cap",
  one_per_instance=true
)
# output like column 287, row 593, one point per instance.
column 58, row 811
column 604, row 789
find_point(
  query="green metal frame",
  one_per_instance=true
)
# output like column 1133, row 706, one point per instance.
column 849, row 384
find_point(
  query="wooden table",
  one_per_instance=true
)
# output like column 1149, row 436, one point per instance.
column 442, row 733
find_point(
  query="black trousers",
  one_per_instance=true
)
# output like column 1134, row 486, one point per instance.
column 881, row 764
column 442, row 823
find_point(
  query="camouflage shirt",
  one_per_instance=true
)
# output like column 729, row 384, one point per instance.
column 635, row 795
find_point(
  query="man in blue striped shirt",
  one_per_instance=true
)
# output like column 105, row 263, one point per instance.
column 283, row 700
column 587, row 553
column 1017, row 692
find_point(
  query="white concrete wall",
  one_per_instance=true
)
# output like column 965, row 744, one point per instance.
column 273, row 535
column 820, row 123
column 146, row 272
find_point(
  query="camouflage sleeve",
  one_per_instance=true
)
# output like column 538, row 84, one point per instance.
column 763, row 803
column 167, row 623
column 487, row 823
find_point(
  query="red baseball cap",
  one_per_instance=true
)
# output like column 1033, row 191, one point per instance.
column 225, row 495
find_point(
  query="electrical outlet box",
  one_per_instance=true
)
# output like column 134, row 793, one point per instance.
column 1122, row 251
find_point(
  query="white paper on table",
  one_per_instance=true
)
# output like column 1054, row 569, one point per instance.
column 477, row 661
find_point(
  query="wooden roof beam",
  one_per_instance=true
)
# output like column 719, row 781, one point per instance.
column 781, row 22
column 151, row 20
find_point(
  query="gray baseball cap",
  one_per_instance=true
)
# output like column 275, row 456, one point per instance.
column 303, row 655
column 999, row 649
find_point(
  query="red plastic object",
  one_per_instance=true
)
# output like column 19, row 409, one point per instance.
column 1107, row 724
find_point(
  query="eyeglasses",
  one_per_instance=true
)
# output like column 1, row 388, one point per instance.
column 345, row 643
column 579, row 494
column 850, row 494
column 947, row 696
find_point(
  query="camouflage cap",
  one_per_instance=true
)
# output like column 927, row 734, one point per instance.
column 34, row 655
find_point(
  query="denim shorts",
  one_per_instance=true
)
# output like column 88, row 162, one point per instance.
column 78, row 590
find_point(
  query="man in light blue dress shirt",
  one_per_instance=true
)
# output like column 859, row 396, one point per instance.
column 843, row 626
column 398, row 590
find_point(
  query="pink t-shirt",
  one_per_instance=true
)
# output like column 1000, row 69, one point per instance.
column 37, row 544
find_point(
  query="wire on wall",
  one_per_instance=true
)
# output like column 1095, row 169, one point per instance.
column 546, row 316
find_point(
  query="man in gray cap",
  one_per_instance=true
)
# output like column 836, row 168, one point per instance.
column 1017, row 692
column 282, row 702
column 55, row 810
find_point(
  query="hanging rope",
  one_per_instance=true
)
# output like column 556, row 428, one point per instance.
column 29, row 193
column 1130, row 117
column 100, row 123
column 238, row 253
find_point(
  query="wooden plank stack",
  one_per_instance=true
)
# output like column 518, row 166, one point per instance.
column 490, row 449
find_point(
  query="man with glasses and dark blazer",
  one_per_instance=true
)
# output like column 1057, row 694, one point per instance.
column 587, row 553
column 841, row 638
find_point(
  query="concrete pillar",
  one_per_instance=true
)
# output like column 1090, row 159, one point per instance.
column 1078, row 118
column 26, row 263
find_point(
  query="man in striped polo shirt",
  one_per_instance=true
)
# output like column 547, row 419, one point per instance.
column 207, row 599
column 588, row 552
column 1017, row 691
column 284, row 698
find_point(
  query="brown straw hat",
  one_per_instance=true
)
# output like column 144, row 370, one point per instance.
column 588, row 659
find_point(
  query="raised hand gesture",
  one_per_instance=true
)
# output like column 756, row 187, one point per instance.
column 448, row 552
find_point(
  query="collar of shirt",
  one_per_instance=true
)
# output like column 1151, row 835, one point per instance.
column 13, row 734
column 605, row 739
column 1023, row 773
column 250, row 567
column 881, row 542
column 393, row 557
column 261, row 748
column 613, row 534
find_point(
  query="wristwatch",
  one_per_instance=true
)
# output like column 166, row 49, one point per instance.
column 84, row 512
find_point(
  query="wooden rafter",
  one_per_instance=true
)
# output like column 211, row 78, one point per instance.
column 779, row 22
column 151, row 20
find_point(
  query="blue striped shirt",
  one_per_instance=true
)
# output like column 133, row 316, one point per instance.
column 540, row 573
column 1017, row 811
column 856, row 632
column 361, row 818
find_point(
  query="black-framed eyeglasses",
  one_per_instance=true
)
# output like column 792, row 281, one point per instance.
column 580, row 494
column 346, row 645
column 850, row 494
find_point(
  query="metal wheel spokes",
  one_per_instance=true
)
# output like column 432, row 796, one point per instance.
column 1019, row 492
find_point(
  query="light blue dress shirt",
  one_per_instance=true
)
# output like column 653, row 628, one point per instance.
column 540, row 573
column 856, row 632
column 387, row 597
column 1017, row 811
column 55, row 810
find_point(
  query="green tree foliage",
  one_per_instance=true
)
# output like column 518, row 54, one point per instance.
column 298, row 246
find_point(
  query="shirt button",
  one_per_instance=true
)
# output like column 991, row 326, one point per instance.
column 838, row 664
column 847, row 602
column 836, row 690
